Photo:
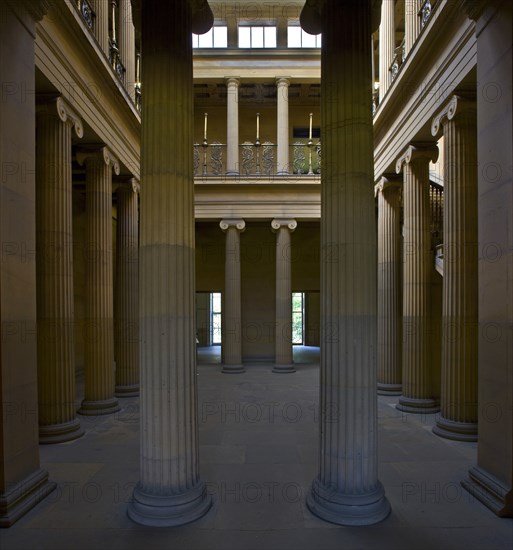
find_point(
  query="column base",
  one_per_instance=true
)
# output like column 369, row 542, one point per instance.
column 490, row 491
column 232, row 173
column 343, row 509
column 171, row 510
column 60, row 433
column 98, row 408
column 457, row 431
column 418, row 406
column 390, row 389
column 127, row 391
column 16, row 502
column 233, row 369
column 283, row 369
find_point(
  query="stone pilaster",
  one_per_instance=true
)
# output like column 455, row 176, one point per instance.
column 101, row 8
column 99, row 319
column 127, row 44
column 232, row 126
column 347, row 490
column 386, row 45
column 418, row 262
column 283, row 362
column 389, row 288
column 126, row 314
column 232, row 322
column 412, row 23
column 169, row 491
column 458, row 402
column 54, row 247
column 282, row 124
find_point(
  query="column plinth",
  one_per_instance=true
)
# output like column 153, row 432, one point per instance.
column 347, row 490
column 458, row 402
column 55, row 311
column 170, row 491
column 389, row 291
column 418, row 261
column 126, row 311
column 232, row 320
column 282, row 97
column 232, row 126
column 99, row 396
column 283, row 362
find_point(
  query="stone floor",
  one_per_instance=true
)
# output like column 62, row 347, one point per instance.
column 258, row 453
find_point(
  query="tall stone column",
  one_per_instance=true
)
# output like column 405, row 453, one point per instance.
column 282, row 124
column 418, row 261
column 169, row 491
column 389, row 288
column 347, row 490
column 411, row 23
column 232, row 321
column 458, row 402
column 99, row 319
column 232, row 126
column 284, row 361
column 126, row 314
column 127, row 44
column 101, row 8
column 54, row 245
column 386, row 45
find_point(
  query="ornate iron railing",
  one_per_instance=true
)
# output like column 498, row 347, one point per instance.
column 257, row 158
column 436, row 200
column 398, row 60
column 306, row 157
column 87, row 13
column 209, row 159
column 425, row 13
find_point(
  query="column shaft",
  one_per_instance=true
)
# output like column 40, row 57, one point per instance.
column 282, row 96
column 99, row 319
column 54, row 246
column 386, row 45
column 170, row 491
column 389, row 290
column 232, row 127
column 411, row 23
column 127, row 44
column 283, row 362
column 347, row 490
column 458, row 402
column 232, row 322
column 101, row 8
column 418, row 359
column 126, row 340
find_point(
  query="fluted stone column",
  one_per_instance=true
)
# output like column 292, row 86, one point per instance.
column 169, row 491
column 418, row 261
column 232, row 126
column 458, row 402
column 347, row 490
column 412, row 23
column 99, row 319
column 232, row 321
column 101, row 8
column 389, row 289
column 283, row 362
column 54, row 246
column 386, row 45
column 126, row 314
column 282, row 125
column 127, row 44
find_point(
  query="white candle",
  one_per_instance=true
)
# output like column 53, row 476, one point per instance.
column 205, row 133
column 258, row 126
column 311, row 116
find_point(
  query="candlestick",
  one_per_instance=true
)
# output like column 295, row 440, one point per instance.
column 258, row 126
column 205, row 132
column 310, row 134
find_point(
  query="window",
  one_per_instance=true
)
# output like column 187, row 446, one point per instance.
column 216, row 37
column 257, row 37
column 298, row 303
column 298, row 38
column 215, row 312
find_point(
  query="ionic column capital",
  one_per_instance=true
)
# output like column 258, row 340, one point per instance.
column 237, row 224
column 473, row 8
column 64, row 111
column 278, row 224
column 102, row 154
column 130, row 186
column 232, row 81
column 388, row 181
column 282, row 81
column 413, row 152
column 456, row 106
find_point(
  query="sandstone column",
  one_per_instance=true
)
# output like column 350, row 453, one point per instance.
column 232, row 322
column 418, row 262
column 101, row 8
column 55, row 311
column 458, row 419
column 347, row 490
column 126, row 318
column 232, row 126
column 99, row 329
column 412, row 23
column 284, row 361
column 169, row 491
column 389, row 289
column 386, row 45
column 127, row 44
column 282, row 124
